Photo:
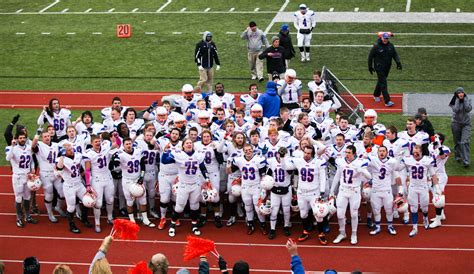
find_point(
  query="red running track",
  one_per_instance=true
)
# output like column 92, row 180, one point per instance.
column 99, row 100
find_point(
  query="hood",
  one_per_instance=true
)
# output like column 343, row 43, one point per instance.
column 271, row 88
column 205, row 34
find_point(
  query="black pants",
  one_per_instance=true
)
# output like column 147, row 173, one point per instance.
column 381, row 86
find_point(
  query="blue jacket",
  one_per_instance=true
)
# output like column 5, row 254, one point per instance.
column 270, row 101
column 297, row 265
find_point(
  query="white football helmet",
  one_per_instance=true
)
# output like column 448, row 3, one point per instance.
column 438, row 200
column 209, row 194
column 267, row 182
column 236, row 190
column 174, row 188
column 332, row 206
column 265, row 208
column 34, row 183
column 401, row 204
column 320, row 208
column 187, row 88
column 370, row 117
column 366, row 190
column 136, row 190
column 89, row 199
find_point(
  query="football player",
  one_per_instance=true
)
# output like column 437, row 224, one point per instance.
column 248, row 100
column 289, row 89
column 304, row 22
column 59, row 117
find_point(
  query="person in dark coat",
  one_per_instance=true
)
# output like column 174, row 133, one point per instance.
column 380, row 61
column 285, row 41
column 270, row 101
column 275, row 58
column 461, row 126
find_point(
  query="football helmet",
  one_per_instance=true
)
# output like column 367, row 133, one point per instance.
column 136, row 190
column 332, row 205
column 265, row 208
column 89, row 199
column 401, row 204
column 33, row 183
column 320, row 208
column 438, row 200
column 366, row 190
column 267, row 182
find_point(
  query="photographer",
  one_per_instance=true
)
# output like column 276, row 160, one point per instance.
column 461, row 126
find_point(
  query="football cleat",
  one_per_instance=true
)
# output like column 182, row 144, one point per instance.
column 287, row 231
column 231, row 221
column 154, row 214
column 162, row 224
column 97, row 229
column 73, row 228
column 30, row 220
column 303, row 236
column 375, row 231
column 172, row 230
column 436, row 223
column 263, row 228
column 254, row 77
column 272, row 234
column 20, row 223
column 389, row 104
column 196, row 230
column 322, row 238
column 370, row 224
column 178, row 223
column 52, row 218
column 148, row 223
column 202, row 221
column 391, row 230
column 354, row 239
column 413, row 232
column 339, row 238
column 250, row 229
column 261, row 79
column 303, row 59
column 426, row 222
column 217, row 221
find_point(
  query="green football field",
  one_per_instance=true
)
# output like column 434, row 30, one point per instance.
column 72, row 45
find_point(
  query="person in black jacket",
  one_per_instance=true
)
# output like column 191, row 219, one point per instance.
column 205, row 55
column 380, row 61
column 285, row 41
column 275, row 58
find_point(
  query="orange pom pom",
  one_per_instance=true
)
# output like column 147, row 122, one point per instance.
column 197, row 247
column 140, row 268
column 125, row 229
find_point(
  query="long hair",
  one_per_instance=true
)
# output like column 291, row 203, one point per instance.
column 49, row 110
column 101, row 266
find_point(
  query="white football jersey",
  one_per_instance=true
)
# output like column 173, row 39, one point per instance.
column 94, row 129
column 314, row 87
column 99, row 160
column 311, row 175
column 364, row 152
column 106, row 112
column 72, row 169
column 304, row 21
column 152, row 156
column 397, row 148
column 281, row 176
column 349, row 134
column 248, row 101
column 272, row 150
column 336, row 152
column 135, row 127
column 439, row 163
column 210, row 160
column 289, row 93
column 250, row 169
column 111, row 125
column 130, row 164
column 78, row 143
column 46, row 156
column 348, row 175
column 20, row 157
column 324, row 125
column 418, row 171
column 227, row 100
column 186, row 105
column 60, row 120
column 326, row 106
column 168, row 169
column 188, row 166
column 383, row 173
column 419, row 138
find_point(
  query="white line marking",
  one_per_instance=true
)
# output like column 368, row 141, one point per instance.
column 111, row 10
column 150, row 33
column 135, row 9
column 97, row 33
column 49, row 6
column 381, row 9
column 87, row 10
column 64, row 10
column 183, row 10
column 458, row 10
column 207, row 9
column 46, row 33
column 407, row 7
column 331, row 9
column 256, row 9
column 231, row 32
column 432, row 9
column 18, row 11
column 20, row 33
column 247, row 244
column 231, row 9
column 70, row 33
column 177, row 32
column 282, row 8
column 164, row 5
column 356, row 9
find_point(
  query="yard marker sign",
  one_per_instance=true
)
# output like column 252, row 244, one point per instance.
column 124, row 31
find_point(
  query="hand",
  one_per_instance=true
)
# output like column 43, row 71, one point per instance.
column 88, row 189
column 140, row 181
column 371, row 70
column 13, row 142
column 218, row 67
column 222, row 263
column 154, row 105
column 321, row 196
column 292, row 247
column 399, row 66
column 15, row 119
column 282, row 151
column 200, row 67
column 270, row 54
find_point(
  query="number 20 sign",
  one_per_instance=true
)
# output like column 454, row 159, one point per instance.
column 124, row 31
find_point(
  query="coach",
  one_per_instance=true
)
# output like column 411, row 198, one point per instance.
column 205, row 56
column 380, row 58
column 461, row 126
column 275, row 55
column 256, row 43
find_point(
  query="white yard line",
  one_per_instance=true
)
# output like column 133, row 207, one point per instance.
column 135, row 10
column 70, row 33
column 20, row 33
column 407, row 7
column 282, row 8
column 432, row 9
column 207, row 9
column 111, row 10
column 331, row 9
column 231, row 9
column 64, row 10
column 458, row 10
column 49, row 6
column 87, row 10
column 150, row 33
column 256, row 9
column 46, row 33
column 183, row 10
column 18, row 11
column 177, row 32
column 381, row 9
column 164, row 5
column 97, row 33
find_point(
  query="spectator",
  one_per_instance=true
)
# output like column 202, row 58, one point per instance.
column 241, row 267
column 296, row 263
column 205, row 55
column 461, row 126
column 286, row 43
column 380, row 61
column 31, row 265
column 158, row 264
column 256, row 43
column 421, row 125
column 62, row 269
column 270, row 101
column 275, row 58
column 425, row 123
column 99, row 264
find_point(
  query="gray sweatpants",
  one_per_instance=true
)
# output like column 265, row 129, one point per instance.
column 462, row 139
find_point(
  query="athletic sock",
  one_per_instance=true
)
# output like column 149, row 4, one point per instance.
column 19, row 210
column 26, row 204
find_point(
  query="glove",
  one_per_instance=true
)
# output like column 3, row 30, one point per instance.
column 200, row 67
column 371, row 70
column 15, row 119
column 218, row 67
column 441, row 151
column 152, row 106
column 321, row 196
column 222, row 263
column 282, row 151
column 140, row 180
column 399, row 66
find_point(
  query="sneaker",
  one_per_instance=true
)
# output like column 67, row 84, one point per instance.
column 263, row 228
column 20, row 223
column 443, row 217
column 413, row 232
column 370, row 224
column 231, row 221
column 202, row 221
column 195, row 230
column 52, row 218
column 375, row 231
column 178, row 223
column 339, row 238
column 308, row 59
column 426, row 222
column 73, row 228
column 149, row 224
column 123, row 213
column 391, row 230
column 389, row 104
column 162, row 224
column 154, row 214
column 353, row 239
column 272, row 234
column 322, row 238
column 436, row 223
column 35, row 210
column 261, row 79
column 60, row 211
column 254, row 77
column 172, row 230
column 250, row 229
column 30, row 220
column 303, row 237
column 217, row 221
column 377, row 99
column 97, row 229
column 287, row 231
column 303, row 59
